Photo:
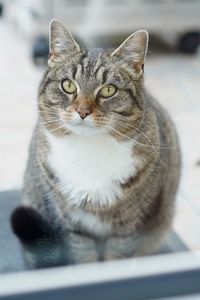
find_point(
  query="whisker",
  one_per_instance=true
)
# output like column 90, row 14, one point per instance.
column 48, row 122
column 53, row 107
column 49, row 112
column 143, row 134
column 55, row 129
column 126, row 126
column 120, row 119
column 155, row 154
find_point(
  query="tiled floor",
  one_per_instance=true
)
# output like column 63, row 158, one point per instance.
column 172, row 78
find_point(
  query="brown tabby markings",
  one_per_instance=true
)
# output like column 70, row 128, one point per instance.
column 136, row 222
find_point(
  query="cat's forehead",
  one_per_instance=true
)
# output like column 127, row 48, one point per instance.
column 92, row 62
column 88, row 68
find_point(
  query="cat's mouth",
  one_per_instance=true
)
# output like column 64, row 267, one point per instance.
column 84, row 127
column 81, row 123
column 87, row 125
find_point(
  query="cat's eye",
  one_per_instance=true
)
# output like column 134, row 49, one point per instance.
column 68, row 86
column 108, row 91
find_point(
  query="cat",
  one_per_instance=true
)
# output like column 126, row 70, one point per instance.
column 104, row 161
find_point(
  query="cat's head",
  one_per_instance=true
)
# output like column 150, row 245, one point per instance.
column 95, row 91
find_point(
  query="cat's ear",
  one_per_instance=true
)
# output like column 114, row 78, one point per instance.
column 61, row 41
column 133, row 50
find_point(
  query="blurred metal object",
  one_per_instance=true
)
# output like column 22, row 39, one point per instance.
column 158, row 16
column 1, row 9
column 189, row 42
column 91, row 19
column 40, row 50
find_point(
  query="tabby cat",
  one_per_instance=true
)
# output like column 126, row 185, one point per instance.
column 104, row 160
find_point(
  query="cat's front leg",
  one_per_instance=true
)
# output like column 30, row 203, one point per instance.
column 150, row 241
column 120, row 247
column 143, row 243
column 81, row 248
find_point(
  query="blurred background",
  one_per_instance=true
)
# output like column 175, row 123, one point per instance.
column 172, row 76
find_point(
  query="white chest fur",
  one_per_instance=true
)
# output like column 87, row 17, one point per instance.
column 91, row 168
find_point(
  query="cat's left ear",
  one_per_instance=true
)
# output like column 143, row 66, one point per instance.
column 61, row 41
column 133, row 50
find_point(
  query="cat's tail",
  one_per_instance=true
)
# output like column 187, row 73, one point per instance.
column 42, row 246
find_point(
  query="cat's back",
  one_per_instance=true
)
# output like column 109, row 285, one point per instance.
column 164, row 120
column 169, row 149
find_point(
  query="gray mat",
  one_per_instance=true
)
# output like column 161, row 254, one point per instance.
column 10, row 251
column 11, row 259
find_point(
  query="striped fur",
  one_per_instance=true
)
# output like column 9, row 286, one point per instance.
column 140, row 180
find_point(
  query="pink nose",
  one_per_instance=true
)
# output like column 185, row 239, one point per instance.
column 83, row 113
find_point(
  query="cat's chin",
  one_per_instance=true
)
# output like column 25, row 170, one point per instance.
column 84, row 129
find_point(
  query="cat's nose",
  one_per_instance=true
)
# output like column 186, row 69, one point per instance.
column 83, row 113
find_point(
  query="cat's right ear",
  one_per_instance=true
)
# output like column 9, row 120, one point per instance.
column 61, row 41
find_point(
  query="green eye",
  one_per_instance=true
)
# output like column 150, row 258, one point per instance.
column 108, row 91
column 68, row 86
